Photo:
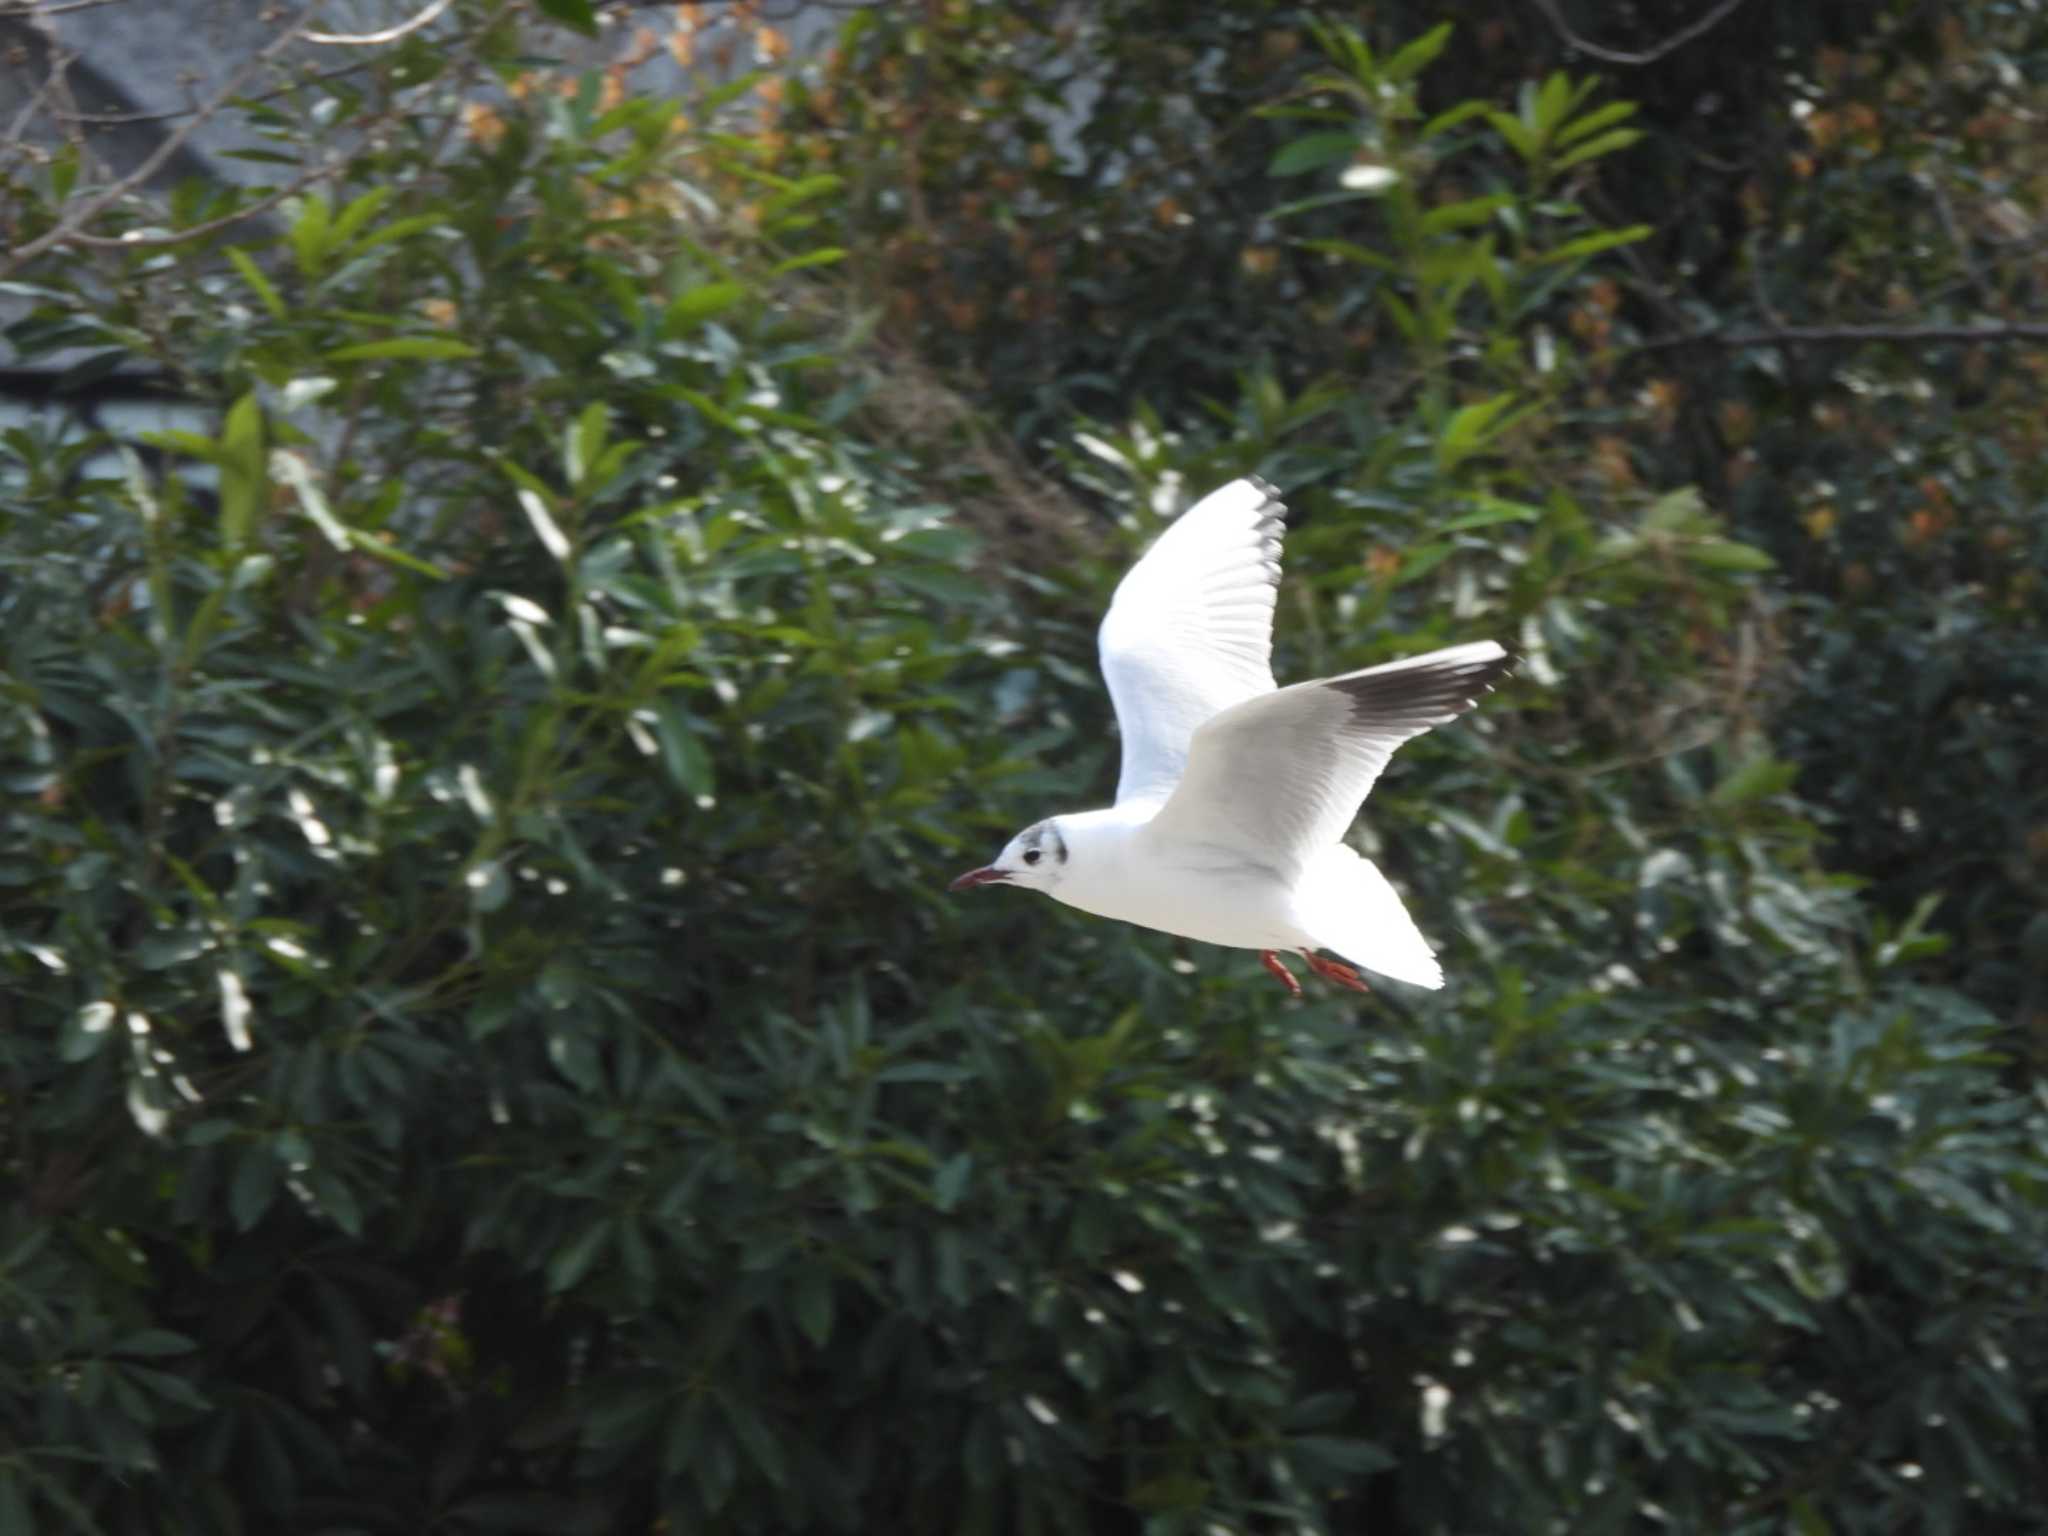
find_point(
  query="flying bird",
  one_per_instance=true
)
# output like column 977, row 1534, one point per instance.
column 1235, row 794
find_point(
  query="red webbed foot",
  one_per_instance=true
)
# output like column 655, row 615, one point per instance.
column 1272, row 962
column 1335, row 970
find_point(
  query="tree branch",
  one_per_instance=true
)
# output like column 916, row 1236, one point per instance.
column 1852, row 335
column 1676, row 40
column 388, row 35
column 92, row 207
column 36, row 10
column 136, row 239
column 127, row 119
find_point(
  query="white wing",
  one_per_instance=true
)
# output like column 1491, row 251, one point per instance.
column 1278, row 778
column 1190, row 630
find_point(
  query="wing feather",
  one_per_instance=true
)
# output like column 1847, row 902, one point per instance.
column 1279, row 777
column 1190, row 630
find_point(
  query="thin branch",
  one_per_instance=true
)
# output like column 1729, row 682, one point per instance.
column 1853, row 335
column 1945, row 210
column 19, row 128
column 36, row 10
column 388, row 35
column 75, row 221
column 1676, row 40
column 310, row 77
column 1759, row 287
column 136, row 240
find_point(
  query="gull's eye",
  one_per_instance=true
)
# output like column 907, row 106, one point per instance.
column 1032, row 856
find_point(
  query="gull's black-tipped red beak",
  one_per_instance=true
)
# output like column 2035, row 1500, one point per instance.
column 974, row 877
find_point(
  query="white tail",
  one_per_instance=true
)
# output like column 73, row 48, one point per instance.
column 1347, row 904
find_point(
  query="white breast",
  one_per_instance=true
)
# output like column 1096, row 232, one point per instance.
column 1196, row 891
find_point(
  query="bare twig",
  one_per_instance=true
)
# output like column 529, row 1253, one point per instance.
column 1676, row 40
column 1760, row 288
column 1945, row 210
column 36, row 10
column 74, row 222
column 1853, row 335
column 312, row 77
column 388, row 35
column 135, row 240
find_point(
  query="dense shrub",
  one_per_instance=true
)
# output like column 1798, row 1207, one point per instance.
column 487, row 1047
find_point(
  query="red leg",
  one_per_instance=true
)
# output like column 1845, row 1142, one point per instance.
column 1272, row 963
column 1333, row 970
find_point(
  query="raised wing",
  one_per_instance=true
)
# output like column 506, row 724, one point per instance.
column 1190, row 630
column 1279, row 777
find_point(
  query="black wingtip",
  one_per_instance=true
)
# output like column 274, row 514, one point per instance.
column 1272, row 513
column 1425, row 694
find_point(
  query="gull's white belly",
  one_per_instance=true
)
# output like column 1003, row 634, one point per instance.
column 1206, row 894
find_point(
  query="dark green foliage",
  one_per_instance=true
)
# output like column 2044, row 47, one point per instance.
column 486, row 1047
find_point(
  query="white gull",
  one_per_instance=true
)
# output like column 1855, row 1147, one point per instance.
column 1235, row 795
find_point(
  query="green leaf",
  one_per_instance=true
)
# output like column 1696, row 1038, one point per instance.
column 1546, row 110
column 572, row 13
column 355, row 216
column 1517, row 134
column 1594, row 244
column 583, row 444
column 253, row 276
column 1398, row 311
column 812, row 1302
column 692, row 307
column 1314, row 152
column 682, row 752
column 1761, row 776
column 1347, row 250
column 336, row 1200
column 545, row 527
column 1489, row 511
column 823, row 256
column 1416, row 56
column 574, row 1259
column 254, row 1185
column 1418, row 560
column 1592, row 149
column 1677, row 512
column 951, row 1181
column 152, row 1343
column 308, row 234
column 760, row 1444
column 1451, row 118
column 421, row 347
column 1177, row 1491
column 370, row 544
column 401, row 229
column 1344, row 1454
column 242, row 479
column 1465, row 214
column 926, row 1072
column 16, row 1519
column 191, row 444
column 1594, row 121
column 1727, row 555
column 86, row 1031
column 1468, row 429
column 801, row 191
column 293, row 470
column 205, row 621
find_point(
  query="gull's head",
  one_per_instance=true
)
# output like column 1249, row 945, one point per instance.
column 1035, row 857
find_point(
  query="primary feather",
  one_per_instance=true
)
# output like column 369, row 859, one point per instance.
column 1314, row 751
column 1190, row 630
